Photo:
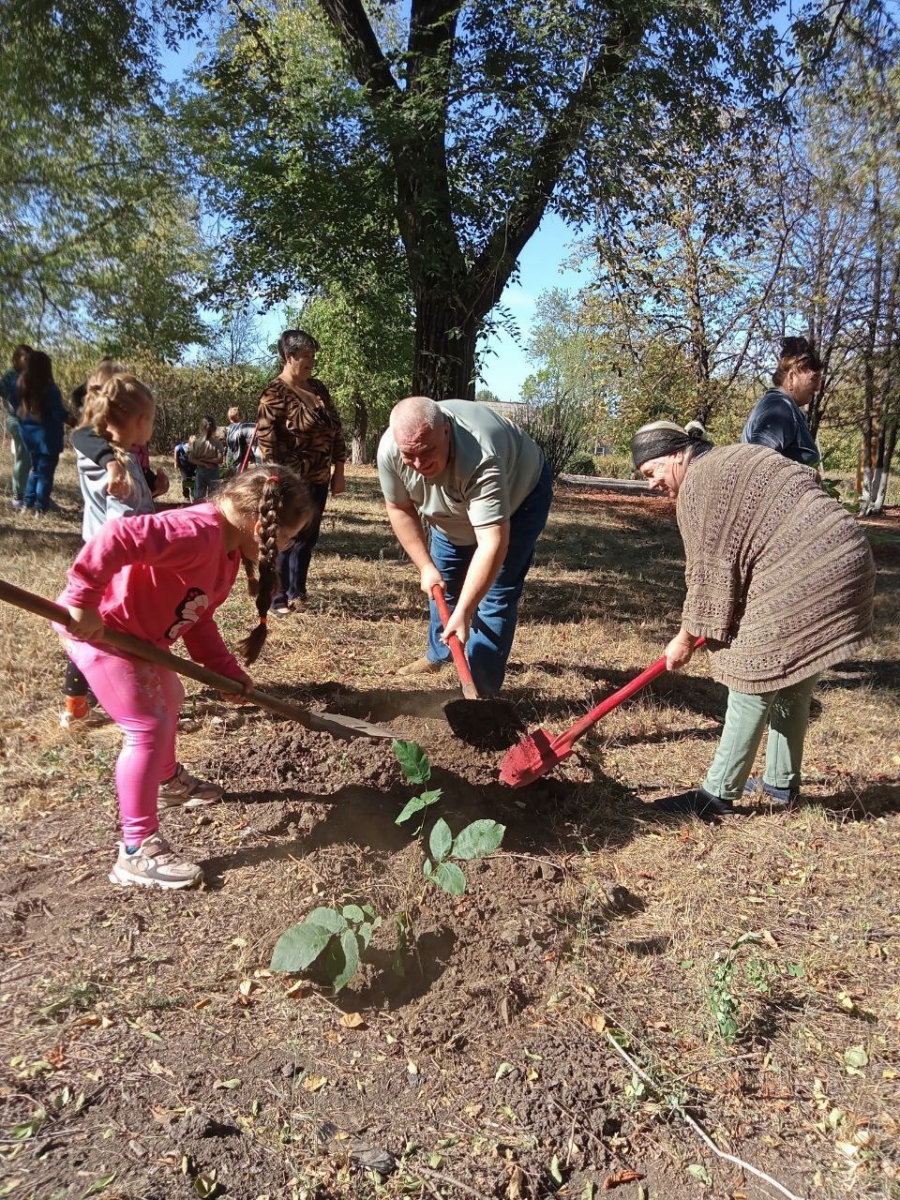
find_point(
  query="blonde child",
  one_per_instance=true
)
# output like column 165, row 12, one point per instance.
column 117, row 409
column 162, row 577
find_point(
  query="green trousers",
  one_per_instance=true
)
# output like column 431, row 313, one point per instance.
column 786, row 712
column 21, row 458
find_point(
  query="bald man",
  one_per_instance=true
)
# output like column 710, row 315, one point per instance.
column 483, row 486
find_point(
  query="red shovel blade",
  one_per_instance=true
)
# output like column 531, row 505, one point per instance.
column 531, row 758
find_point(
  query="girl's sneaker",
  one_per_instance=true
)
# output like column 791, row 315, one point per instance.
column 75, row 723
column 184, row 790
column 154, row 864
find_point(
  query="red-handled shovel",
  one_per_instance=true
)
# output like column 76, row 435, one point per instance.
column 490, row 724
column 457, row 650
column 540, row 752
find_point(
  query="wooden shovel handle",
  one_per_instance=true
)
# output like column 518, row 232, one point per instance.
column 457, row 650
column 146, row 650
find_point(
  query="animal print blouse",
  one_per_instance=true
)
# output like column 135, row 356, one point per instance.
column 301, row 429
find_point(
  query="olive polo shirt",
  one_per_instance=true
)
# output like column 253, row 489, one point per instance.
column 492, row 467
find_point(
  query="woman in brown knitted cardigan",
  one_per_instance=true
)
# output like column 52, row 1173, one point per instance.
column 780, row 580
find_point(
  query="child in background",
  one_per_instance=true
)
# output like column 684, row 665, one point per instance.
column 161, row 577
column 185, row 467
column 207, row 454
column 117, row 410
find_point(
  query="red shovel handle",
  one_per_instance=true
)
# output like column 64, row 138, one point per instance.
column 455, row 645
column 563, row 743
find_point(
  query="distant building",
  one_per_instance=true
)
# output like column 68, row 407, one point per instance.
column 506, row 408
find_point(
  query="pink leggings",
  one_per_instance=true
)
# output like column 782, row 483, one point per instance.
column 143, row 700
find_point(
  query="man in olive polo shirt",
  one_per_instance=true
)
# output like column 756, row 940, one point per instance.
column 484, row 488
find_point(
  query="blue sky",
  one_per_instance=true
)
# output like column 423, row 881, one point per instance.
column 543, row 265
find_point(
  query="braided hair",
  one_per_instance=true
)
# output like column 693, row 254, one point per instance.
column 274, row 496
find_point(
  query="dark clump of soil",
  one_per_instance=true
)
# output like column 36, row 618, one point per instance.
column 487, row 724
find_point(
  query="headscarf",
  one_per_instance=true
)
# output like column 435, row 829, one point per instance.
column 660, row 438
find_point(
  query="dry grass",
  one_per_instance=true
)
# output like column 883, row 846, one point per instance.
column 812, row 1073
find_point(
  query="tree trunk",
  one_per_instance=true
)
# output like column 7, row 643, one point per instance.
column 444, row 362
column 358, row 455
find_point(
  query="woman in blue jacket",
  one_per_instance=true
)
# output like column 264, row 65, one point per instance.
column 777, row 420
column 42, row 417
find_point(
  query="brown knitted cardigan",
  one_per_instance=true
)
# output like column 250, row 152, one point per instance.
column 780, row 578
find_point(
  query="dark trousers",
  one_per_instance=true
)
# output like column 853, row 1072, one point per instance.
column 293, row 564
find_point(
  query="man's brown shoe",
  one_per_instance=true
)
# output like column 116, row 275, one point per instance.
column 422, row 666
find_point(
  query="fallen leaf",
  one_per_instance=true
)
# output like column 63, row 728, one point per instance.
column 475, row 1110
column 314, row 1083
column 204, row 1003
column 595, row 1021
column 353, row 1020
column 246, row 986
column 620, row 1178
column 516, row 1180
column 156, row 1068
column 699, row 1172
column 297, row 991
column 332, row 1036
column 227, row 1085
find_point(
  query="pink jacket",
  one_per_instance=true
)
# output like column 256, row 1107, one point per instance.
column 161, row 577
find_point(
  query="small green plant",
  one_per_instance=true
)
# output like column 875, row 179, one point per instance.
column 415, row 766
column 757, row 972
column 335, row 938
column 474, row 841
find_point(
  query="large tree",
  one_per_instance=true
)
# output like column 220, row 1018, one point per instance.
column 98, row 233
column 455, row 131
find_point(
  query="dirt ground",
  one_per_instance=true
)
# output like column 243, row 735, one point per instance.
column 149, row 1052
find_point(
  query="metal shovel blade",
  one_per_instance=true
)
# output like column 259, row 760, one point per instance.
column 348, row 727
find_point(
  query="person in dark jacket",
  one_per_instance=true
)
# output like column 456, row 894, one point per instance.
column 9, row 389
column 42, row 419
column 777, row 421
column 240, row 435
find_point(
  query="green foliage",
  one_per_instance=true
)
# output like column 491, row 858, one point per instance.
column 758, row 974
column 559, row 427
column 334, row 938
column 581, row 463
column 474, row 841
column 365, row 331
column 413, row 761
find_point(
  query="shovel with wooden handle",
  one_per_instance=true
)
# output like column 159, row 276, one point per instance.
column 341, row 727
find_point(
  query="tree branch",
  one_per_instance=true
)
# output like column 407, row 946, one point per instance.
column 501, row 252
column 349, row 21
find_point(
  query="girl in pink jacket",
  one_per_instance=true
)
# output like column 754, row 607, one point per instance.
column 162, row 577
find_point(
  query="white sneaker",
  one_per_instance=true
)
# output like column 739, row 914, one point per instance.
column 185, row 790
column 154, row 864
column 92, row 719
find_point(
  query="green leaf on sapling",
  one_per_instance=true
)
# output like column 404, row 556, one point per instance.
column 478, row 839
column 413, row 761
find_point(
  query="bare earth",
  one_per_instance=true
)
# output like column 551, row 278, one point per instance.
column 147, row 1051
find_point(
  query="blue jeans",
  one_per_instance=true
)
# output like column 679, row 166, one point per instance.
column 21, row 459
column 205, row 482
column 44, row 454
column 494, row 625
